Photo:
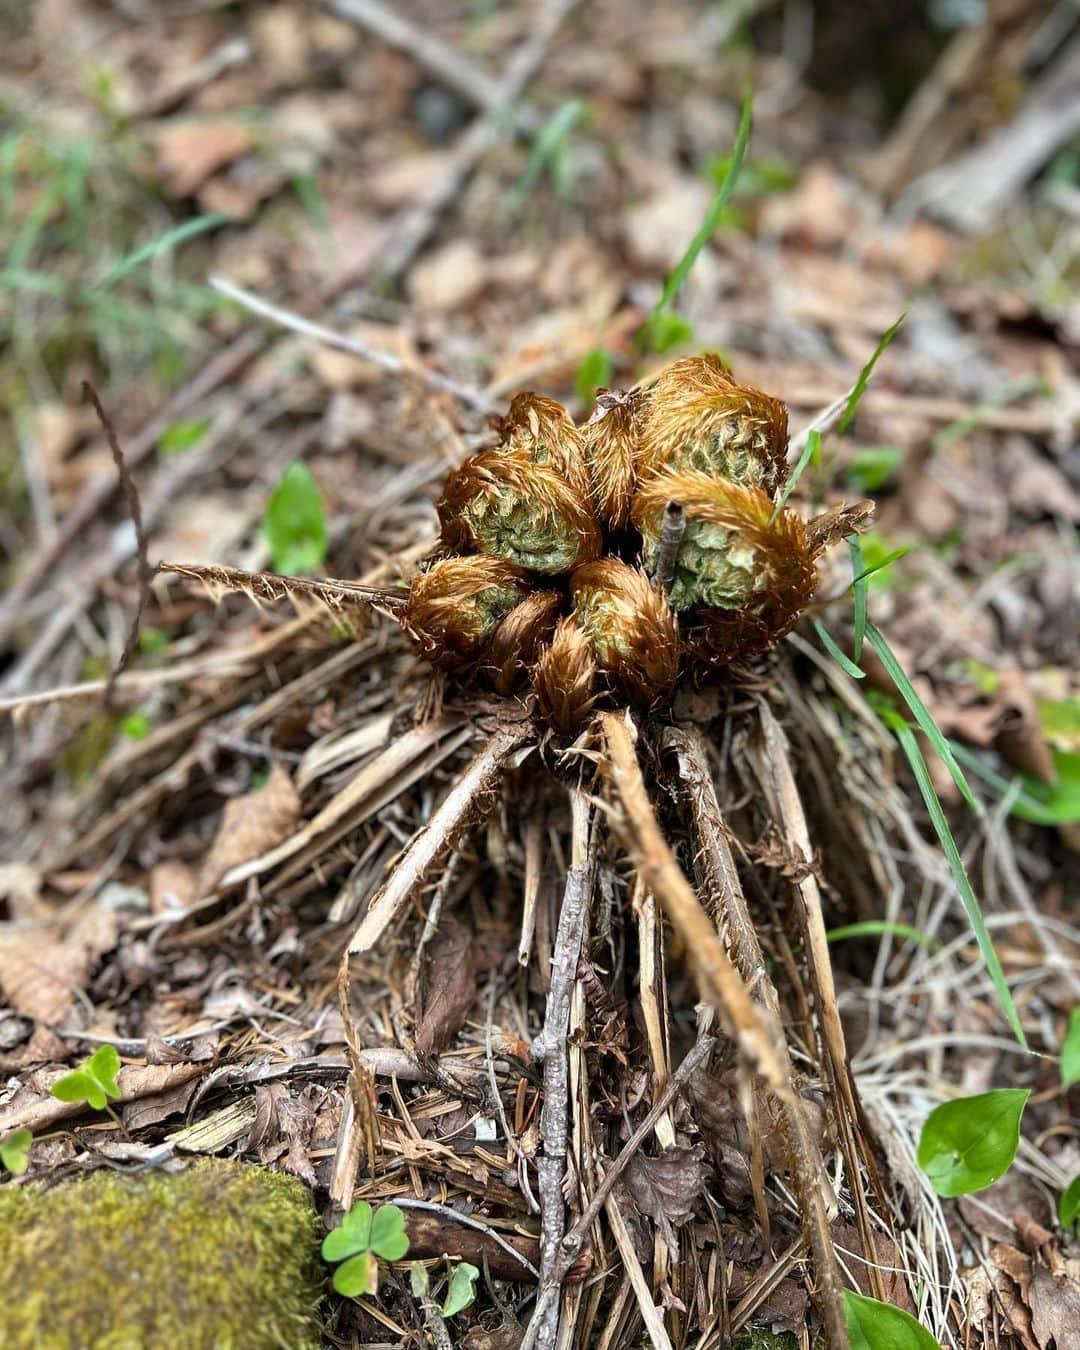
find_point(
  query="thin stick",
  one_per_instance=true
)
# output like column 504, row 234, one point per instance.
column 393, row 365
column 751, row 1026
column 550, row 1049
column 671, row 537
column 144, row 573
column 467, row 1221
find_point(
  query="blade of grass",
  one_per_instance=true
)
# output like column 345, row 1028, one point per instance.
column 910, row 746
column 845, row 663
column 858, row 590
column 866, row 372
column 878, row 566
column 880, row 928
column 548, row 140
column 188, row 230
column 712, row 216
column 810, row 452
column 919, row 711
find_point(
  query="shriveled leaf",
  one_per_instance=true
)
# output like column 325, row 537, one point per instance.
column 251, row 824
column 967, row 1144
column 879, row 1326
column 359, row 1275
column 388, row 1237
column 1070, row 1051
column 14, row 1149
column 462, row 1289
column 669, row 1186
column 447, row 987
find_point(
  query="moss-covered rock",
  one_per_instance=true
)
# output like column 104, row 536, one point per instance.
column 221, row 1256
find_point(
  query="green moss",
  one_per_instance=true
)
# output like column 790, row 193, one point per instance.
column 222, row 1255
column 760, row 1338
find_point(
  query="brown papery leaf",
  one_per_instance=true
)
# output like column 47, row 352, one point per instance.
column 447, row 988
column 42, row 969
column 669, row 1186
column 250, row 825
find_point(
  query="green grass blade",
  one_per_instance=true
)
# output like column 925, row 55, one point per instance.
column 810, row 451
column 919, row 711
column 1008, row 392
column 866, row 372
column 171, row 239
column 858, row 590
column 880, row 928
column 712, row 216
column 910, row 746
column 844, row 662
column 545, row 147
column 883, row 563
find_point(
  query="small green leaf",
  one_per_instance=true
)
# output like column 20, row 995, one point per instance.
column 462, row 1289
column 879, row 1326
column 183, row 435
column 1036, row 801
column 967, row 1144
column 873, row 467
column 865, row 373
column 137, row 726
column 1069, row 1204
column 93, row 1081
column 810, row 451
column 666, row 329
column 359, row 1275
column 845, row 663
column 295, row 524
column 388, row 1237
column 879, row 928
column 152, row 640
column 593, row 373
column 1070, row 1051
column 352, row 1235
column 418, row 1279
column 14, row 1149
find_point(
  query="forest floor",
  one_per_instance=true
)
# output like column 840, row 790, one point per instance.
column 493, row 195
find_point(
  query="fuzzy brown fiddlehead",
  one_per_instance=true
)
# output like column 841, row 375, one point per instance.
column 520, row 637
column 457, row 604
column 698, row 416
column 565, row 679
column 611, row 437
column 632, row 632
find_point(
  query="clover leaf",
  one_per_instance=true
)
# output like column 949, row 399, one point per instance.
column 967, row 1144
column 14, row 1149
column 363, row 1235
column 93, row 1082
column 461, row 1291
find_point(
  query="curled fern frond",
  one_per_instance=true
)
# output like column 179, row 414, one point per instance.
column 611, row 438
column 458, row 603
column 633, row 634
column 565, row 679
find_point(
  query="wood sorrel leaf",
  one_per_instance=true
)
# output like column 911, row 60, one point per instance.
column 462, row 1289
column 93, row 1082
column 879, row 1326
column 359, row 1275
column 967, row 1144
column 14, row 1149
column 388, row 1237
column 352, row 1235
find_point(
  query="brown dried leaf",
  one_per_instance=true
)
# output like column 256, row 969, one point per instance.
column 1054, row 1299
column 42, row 970
column 189, row 152
column 250, row 825
column 669, row 1186
column 447, row 988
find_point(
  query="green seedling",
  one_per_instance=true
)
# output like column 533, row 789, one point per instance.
column 93, row 1082
column 363, row 1236
column 136, row 726
column 873, row 468
column 461, row 1291
column 14, row 1151
column 880, row 928
column 864, row 375
column 968, row 1144
column 295, row 523
column 592, row 374
column 879, row 1326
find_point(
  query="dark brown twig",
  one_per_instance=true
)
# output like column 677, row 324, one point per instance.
column 145, row 572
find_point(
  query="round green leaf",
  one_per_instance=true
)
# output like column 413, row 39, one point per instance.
column 967, row 1144
column 359, row 1275
column 73, row 1087
column 351, row 1236
column 1070, row 1051
column 1069, row 1204
column 388, row 1237
column 879, row 1326
column 103, row 1066
column 14, row 1149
